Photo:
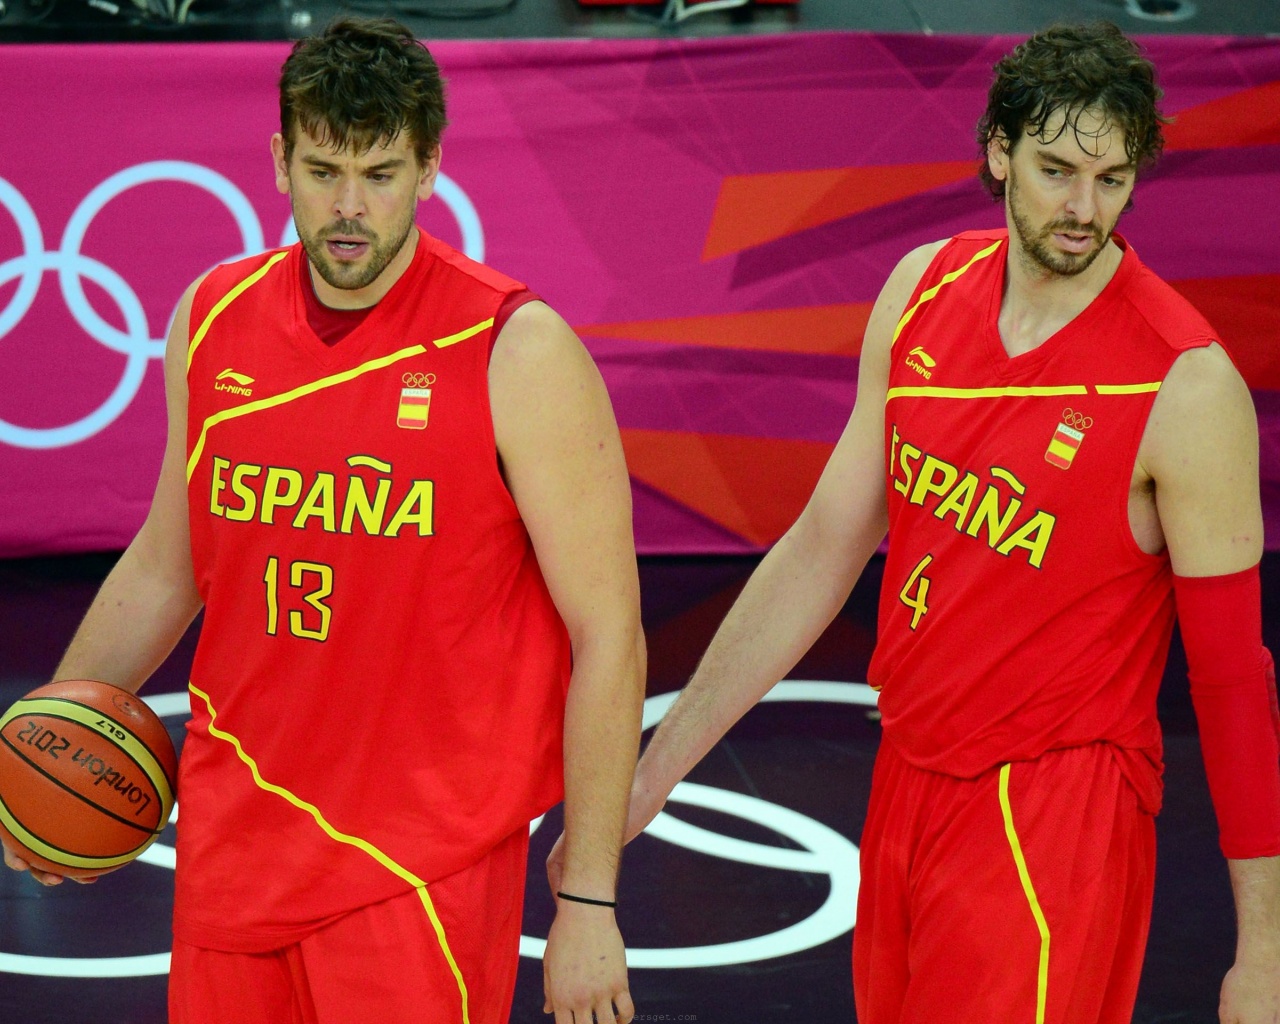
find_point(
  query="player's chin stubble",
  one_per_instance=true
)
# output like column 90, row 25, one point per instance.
column 352, row 276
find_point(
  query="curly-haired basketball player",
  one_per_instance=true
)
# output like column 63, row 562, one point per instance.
column 394, row 483
column 1062, row 453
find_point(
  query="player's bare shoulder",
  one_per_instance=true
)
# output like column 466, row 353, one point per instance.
column 902, row 282
column 536, row 345
column 1199, row 453
column 1203, row 375
column 1203, row 398
column 894, row 296
column 912, row 266
column 542, row 378
column 532, row 333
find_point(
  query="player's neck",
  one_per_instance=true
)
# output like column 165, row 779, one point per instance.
column 1038, row 303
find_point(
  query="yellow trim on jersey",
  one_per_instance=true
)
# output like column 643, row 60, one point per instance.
column 289, row 396
column 342, row 837
column 930, row 293
column 470, row 332
column 369, row 462
column 1042, row 980
column 1127, row 389
column 226, row 300
column 1009, row 392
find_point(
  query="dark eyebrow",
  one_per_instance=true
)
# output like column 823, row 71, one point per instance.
column 1067, row 165
column 328, row 165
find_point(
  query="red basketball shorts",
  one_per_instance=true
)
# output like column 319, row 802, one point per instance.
column 385, row 962
column 1021, row 895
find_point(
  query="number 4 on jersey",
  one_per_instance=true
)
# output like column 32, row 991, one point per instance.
column 915, row 592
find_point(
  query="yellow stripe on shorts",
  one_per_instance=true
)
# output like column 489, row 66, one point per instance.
column 1042, row 979
column 341, row 837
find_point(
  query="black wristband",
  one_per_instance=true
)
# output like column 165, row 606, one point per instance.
column 584, row 899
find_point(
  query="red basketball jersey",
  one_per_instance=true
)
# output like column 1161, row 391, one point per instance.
column 378, row 691
column 1017, row 613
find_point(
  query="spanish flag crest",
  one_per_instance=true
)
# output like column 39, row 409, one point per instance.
column 415, row 401
column 1067, row 439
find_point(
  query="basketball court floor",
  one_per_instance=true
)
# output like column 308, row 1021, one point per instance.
column 736, row 906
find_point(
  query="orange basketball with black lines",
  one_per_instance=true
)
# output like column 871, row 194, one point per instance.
column 87, row 775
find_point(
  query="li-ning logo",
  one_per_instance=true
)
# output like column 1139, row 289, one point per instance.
column 239, row 382
column 923, row 363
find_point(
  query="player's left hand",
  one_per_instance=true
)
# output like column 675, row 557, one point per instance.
column 584, row 968
column 1251, row 993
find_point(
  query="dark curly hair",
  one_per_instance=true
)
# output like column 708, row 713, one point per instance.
column 1069, row 69
column 360, row 83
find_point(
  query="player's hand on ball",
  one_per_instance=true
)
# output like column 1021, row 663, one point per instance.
column 86, row 780
column 14, row 861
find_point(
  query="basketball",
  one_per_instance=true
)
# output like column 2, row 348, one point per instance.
column 87, row 776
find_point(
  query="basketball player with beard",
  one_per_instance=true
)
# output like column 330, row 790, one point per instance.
column 394, row 484
column 1062, row 454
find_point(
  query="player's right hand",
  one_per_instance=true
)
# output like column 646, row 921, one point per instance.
column 14, row 861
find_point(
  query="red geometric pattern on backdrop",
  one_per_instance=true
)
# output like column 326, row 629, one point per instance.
column 752, row 486
column 715, row 217
column 755, row 209
column 819, row 330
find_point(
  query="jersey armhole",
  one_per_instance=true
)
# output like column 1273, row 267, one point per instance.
column 509, row 305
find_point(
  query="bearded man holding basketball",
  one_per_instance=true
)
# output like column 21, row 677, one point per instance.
column 394, row 483
column 1062, row 454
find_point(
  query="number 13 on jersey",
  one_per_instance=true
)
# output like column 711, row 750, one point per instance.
column 315, row 580
column 915, row 592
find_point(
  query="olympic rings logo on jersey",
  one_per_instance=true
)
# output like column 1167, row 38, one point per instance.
column 822, row 851
column 1076, row 420
column 418, row 380
column 135, row 342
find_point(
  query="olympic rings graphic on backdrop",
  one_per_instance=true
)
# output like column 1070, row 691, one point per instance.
column 135, row 342
column 823, row 852
column 418, row 380
column 1078, row 420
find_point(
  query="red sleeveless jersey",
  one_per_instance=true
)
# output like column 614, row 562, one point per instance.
column 1017, row 614
column 378, row 691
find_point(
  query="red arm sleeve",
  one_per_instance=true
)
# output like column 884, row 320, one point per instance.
column 1234, row 693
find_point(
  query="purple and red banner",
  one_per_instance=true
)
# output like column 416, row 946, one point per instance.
column 714, row 217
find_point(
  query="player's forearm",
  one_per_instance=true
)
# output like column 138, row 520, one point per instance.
column 602, row 738
column 1255, row 884
column 789, row 600
column 137, row 618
